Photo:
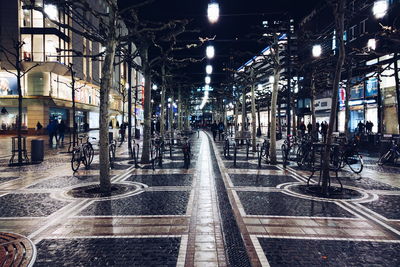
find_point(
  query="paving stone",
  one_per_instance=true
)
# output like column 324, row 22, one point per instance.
column 303, row 252
column 147, row 203
column 65, row 181
column 275, row 203
column 259, row 180
column 163, row 180
column 387, row 206
column 29, row 205
column 7, row 179
column 108, row 252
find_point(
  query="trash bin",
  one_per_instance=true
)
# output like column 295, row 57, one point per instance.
column 110, row 136
column 137, row 133
column 37, row 150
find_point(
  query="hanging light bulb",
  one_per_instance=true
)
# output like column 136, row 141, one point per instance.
column 213, row 12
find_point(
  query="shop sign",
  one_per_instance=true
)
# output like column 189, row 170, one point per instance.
column 372, row 87
column 357, row 91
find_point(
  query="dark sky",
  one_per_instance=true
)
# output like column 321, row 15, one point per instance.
column 237, row 20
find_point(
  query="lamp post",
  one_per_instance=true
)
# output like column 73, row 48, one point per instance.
column 213, row 12
column 210, row 52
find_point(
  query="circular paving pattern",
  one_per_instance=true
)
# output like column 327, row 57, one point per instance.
column 313, row 191
column 16, row 250
column 93, row 191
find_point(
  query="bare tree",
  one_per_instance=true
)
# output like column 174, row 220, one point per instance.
column 15, row 61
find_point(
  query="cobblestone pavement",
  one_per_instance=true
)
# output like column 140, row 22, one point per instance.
column 211, row 214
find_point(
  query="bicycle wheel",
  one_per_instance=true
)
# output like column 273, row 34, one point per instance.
column 75, row 160
column 300, row 156
column 355, row 163
column 385, row 158
column 284, row 154
column 88, row 153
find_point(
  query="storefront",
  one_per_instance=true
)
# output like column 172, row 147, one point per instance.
column 8, row 119
column 59, row 114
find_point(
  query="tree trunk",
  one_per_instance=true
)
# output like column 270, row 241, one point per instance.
column 236, row 116
column 274, row 100
column 179, row 109
column 244, row 109
column 253, row 114
column 339, row 23
column 106, row 83
column 162, row 109
column 313, row 94
column 147, row 106
column 19, row 118
column 346, row 102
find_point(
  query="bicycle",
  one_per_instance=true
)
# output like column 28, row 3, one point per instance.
column 390, row 156
column 264, row 151
column 304, row 154
column 82, row 153
column 112, row 147
column 347, row 154
column 290, row 145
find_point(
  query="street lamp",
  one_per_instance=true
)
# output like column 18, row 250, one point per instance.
column 209, row 69
column 208, row 79
column 155, row 87
column 213, row 12
column 317, row 51
column 380, row 8
column 210, row 51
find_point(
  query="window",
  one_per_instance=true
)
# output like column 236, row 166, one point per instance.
column 37, row 47
column 84, row 59
column 90, row 60
column 363, row 26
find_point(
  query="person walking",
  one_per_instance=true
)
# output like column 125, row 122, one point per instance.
column 38, row 128
column 324, row 130
column 214, row 128
column 61, row 131
column 51, row 131
column 309, row 128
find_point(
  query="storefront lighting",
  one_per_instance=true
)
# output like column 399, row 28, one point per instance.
column 51, row 11
column 209, row 69
column 210, row 52
column 317, row 50
column 213, row 12
column 207, row 79
column 371, row 44
column 380, row 8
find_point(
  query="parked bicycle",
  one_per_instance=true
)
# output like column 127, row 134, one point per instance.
column 347, row 154
column 112, row 147
column 289, row 147
column 390, row 156
column 305, row 154
column 264, row 151
column 82, row 153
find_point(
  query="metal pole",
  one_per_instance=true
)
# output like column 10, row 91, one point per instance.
column 289, row 87
column 130, row 103
column 396, row 77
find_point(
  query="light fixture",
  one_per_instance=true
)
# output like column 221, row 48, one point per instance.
column 127, row 86
column 208, row 79
column 155, row 87
column 210, row 51
column 380, row 8
column 169, row 99
column 371, row 44
column 51, row 11
column 260, row 87
column 271, row 79
column 207, row 87
column 209, row 69
column 317, row 50
column 213, row 12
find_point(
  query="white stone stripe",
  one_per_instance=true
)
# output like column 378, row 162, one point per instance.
column 111, row 237
column 328, row 238
column 302, row 217
column 127, row 216
column 260, row 252
column 182, row 251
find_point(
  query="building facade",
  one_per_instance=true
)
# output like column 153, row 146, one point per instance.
column 53, row 50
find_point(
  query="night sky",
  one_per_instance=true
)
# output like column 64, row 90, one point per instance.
column 238, row 18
